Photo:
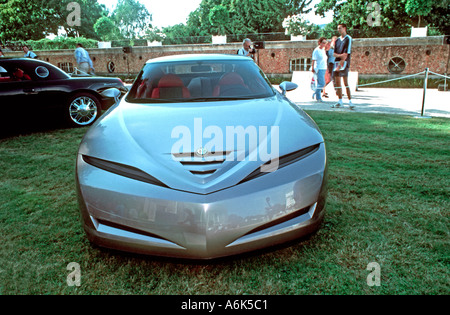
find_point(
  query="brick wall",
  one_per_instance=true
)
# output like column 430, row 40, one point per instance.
column 369, row 56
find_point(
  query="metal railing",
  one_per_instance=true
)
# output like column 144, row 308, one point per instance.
column 426, row 72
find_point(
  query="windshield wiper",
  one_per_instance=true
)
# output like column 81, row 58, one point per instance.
column 212, row 99
column 187, row 100
column 156, row 100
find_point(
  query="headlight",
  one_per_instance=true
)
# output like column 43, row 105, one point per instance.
column 283, row 161
column 123, row 170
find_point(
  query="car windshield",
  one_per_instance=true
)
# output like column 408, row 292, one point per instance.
column 197, row 81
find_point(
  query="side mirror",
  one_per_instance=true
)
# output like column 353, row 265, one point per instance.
column 112, row 93
column 287, row 86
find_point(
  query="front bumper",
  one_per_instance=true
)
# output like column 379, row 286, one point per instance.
column 133, row 216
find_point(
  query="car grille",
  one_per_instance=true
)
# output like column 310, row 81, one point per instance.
column 201, row 166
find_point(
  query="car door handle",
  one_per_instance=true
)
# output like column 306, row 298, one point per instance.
column 30, row 91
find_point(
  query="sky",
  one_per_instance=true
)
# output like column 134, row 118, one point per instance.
column 171, row 12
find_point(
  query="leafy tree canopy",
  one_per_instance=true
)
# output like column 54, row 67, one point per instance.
column 106, row 29
column 246, row 16
column 32, row 20
column 219, row 17
column 383, row 18
column 132, row 18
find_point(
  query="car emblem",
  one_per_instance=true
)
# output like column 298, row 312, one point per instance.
column 201, row 152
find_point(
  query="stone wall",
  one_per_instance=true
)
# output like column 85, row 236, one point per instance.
column 369, row 56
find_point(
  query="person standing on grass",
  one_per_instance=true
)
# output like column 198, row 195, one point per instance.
column 342, row 53
column 319, row 67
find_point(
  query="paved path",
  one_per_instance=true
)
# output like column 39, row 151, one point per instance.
column 376, row 100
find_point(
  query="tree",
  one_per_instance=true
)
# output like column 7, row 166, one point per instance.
column 195, row 25
column 154, row 34
column 132, row 18
column 23, row 20
column 106, row 29
column 198, row 22
column 418, row 8
column 395, row 17
column 246, row 16
column 177, row 34
column 219, row 17
column 439, row 17
column 87, row 11
column 264, row 16
column 295, row 25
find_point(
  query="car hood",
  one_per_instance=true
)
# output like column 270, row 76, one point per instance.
column 167, row 140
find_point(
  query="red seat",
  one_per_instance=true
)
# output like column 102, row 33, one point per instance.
column 19, row 75
column 170, row 86
column 5, row 79
column 231, row 78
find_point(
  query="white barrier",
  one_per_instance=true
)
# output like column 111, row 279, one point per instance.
column 303, row 79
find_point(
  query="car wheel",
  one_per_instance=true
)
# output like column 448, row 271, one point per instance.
column 84, row 109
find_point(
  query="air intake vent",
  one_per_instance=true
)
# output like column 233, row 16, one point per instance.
column 202, row 165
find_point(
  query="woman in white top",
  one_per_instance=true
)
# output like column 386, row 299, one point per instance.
column 319, row 66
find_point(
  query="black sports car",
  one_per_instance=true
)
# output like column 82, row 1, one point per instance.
column 37, row 90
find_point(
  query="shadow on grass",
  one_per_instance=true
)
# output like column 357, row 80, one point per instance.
column 27, row 125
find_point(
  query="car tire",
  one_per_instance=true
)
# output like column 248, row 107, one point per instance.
column 82, row 109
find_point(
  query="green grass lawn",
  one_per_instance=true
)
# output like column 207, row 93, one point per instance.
column 388, row 203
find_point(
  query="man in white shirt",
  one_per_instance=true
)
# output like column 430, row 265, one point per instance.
column 84, row 61
column 28, row 52
column 246, row 50
column 319, row 67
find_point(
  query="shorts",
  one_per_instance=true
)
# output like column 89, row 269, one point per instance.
column 343, row 73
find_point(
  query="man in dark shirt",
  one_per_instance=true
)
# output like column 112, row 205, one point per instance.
column 342, row 53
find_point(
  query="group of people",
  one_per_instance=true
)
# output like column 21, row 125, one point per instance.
column 331, row 62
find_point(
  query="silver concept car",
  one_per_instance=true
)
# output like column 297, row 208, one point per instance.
column 203, row 158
